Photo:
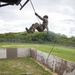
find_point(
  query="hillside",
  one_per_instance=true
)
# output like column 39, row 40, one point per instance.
column 38, row 37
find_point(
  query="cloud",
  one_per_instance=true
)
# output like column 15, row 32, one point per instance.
column 72, row 30
column 70, row 21
column 61, row 23
column 61, row 16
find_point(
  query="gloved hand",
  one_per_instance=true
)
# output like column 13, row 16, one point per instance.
column 36, row 14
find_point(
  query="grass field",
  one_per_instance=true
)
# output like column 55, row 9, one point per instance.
column 19, row 66
column 64, row 52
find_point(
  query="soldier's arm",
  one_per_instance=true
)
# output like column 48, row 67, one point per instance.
column 39, row 17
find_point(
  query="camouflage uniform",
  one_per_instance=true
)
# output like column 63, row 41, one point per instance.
column 39, row 27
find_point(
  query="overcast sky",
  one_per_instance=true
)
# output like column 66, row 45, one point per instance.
column 61, row 16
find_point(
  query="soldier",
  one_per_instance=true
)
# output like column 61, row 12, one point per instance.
column 39, row 27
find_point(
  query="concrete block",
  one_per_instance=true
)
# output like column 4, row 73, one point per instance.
column 11, row 52
column 3, row 53
column 23, row 52
column 33, row 53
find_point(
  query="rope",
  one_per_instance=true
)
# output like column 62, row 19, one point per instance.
column 51, row 51
column 32, row 6
column 35, row 11
column 39, row 22
column 49, row 54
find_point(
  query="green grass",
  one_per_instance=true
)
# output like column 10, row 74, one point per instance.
column 64, row 52
column 18, row 66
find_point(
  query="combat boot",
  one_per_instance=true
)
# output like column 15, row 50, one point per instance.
column 27, row 30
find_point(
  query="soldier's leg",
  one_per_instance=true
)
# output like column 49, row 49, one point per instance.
column 33, row 27
column 30, row 30
column 27, row 30
column 40, row 28
column 36, row 25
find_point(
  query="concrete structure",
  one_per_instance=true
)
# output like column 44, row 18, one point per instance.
column 3, row 53
column 56, row 64
column 23, row 52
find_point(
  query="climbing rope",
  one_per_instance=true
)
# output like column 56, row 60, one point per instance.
column 51, row 51
column 35, row 11
column 40, row 23
column 32, row 7
column 49, row 55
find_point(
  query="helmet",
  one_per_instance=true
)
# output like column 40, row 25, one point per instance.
column 45, row 16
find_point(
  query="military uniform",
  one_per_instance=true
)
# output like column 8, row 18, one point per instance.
column 39, row 27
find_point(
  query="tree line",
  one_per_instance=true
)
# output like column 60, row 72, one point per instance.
column 38, row 37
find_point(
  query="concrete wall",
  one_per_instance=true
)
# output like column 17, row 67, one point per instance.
column 23, row 52
column 14, row 52
column 3, row 53
column 56, row 64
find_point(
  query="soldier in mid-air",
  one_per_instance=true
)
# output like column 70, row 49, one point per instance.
column 39, row 27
